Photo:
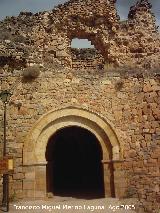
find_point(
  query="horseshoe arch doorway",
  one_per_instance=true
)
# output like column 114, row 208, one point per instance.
column 46, row 150
column 74, row 167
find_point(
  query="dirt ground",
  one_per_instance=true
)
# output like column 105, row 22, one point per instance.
column 69, row 205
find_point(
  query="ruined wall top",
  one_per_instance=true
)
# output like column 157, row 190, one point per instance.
column 142, row 16
column 46, row 36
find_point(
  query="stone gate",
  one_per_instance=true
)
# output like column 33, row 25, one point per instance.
column 34, row 160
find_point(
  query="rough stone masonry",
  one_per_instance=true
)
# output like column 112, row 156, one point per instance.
column 117, row 81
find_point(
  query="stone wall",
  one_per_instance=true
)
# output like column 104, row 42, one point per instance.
column 87, row 59
column 135, row 42
column 120, row 82
column 130, row 104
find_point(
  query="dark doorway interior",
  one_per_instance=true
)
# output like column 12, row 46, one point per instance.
column 74, row 164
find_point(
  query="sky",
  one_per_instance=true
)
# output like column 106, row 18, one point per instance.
column 13, row 8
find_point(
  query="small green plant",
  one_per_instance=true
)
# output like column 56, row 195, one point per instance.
column 13, row 197
column 5, row 35
column 109, row 67
column 119, row 85
column 30, row 73
column 130, row 192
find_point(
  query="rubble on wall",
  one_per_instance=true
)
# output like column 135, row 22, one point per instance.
column 87, row 59
column 135, row 41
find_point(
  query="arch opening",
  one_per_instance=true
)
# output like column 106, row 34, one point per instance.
column 81, row 43
column 85, row 54
column 37, row 158
column 74, row 166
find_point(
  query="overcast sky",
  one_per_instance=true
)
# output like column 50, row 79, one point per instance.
column 13, row 7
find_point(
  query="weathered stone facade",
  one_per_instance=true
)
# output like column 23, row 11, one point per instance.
column 113, row 92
